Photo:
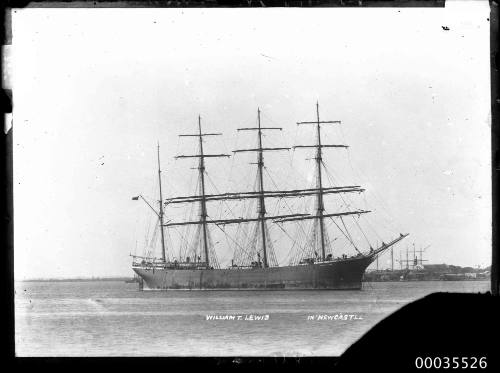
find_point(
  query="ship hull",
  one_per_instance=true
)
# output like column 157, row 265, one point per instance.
column 343, row 274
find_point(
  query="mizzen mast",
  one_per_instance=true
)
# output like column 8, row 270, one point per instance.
column 202, row 196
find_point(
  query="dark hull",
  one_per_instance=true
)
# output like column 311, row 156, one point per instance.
column 343, row 274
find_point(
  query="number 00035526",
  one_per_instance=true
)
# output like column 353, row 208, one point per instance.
column 451, row 362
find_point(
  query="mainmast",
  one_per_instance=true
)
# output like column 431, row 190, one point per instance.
column 260, row 173
column 262, row 206
column 160, row 202
column 202, row 196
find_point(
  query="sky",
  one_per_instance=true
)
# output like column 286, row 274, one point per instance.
column 95, row 90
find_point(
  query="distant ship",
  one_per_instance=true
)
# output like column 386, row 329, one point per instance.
column 254, row 264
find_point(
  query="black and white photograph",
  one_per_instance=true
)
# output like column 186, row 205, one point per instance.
column 272, row 182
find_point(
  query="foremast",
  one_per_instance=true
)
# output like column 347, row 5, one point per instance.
column 321, row 206
column 320, row 209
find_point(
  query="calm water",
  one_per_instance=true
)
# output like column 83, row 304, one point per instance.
column 114, row 318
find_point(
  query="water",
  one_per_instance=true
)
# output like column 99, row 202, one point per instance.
column 109, row 318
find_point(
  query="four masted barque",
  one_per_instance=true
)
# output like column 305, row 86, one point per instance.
column 254, row 264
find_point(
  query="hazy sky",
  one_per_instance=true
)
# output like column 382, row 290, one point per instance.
column 95, row 89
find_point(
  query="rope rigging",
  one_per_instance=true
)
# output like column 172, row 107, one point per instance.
column 312, row 241
column 347, row 203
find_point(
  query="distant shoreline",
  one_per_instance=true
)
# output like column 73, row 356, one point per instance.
column 82, row 279
column 124, row 279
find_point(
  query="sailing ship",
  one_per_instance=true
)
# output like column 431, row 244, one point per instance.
column 254, row 265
